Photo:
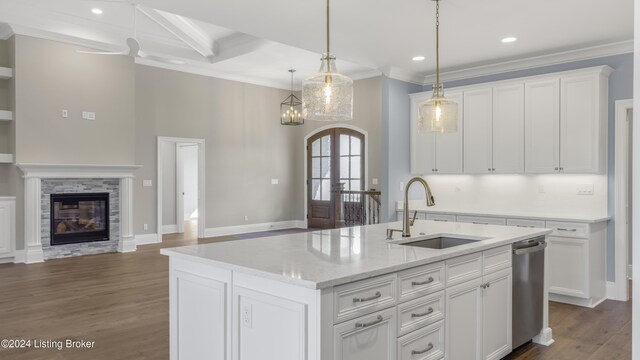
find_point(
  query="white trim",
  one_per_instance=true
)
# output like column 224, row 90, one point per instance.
column 19, row 257
column 630, row 272
column 201, row 181
column 252, row 228
column 621, row 178
column 5, row 31
column 545, row 337
column 179, row 190
column 145, row 239
column 77, row 171
column 169, row 229
column 364, row 132
column 404, row 75
column 6, row 73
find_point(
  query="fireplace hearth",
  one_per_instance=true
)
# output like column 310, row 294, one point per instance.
column 79, row 217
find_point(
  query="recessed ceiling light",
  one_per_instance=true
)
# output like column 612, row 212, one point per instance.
column 418, row 58
column 96, row 11
column 509, row 39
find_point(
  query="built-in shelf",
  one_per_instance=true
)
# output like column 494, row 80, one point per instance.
column 6, row 158
column 6, row 73
column 6, row 115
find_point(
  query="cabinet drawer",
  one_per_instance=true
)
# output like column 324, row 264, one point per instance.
column 496, row 259
column 368, row 337
column 420, row 281
column 364, row 297
column 441, row 217
column 420, row 312
column 568, row 229
column 484, row 220
column 463, row 268
column 424, row 344
column 526, row 223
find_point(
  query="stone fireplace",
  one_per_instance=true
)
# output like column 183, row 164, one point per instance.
column 73, row 210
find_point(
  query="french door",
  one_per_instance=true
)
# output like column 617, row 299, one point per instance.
column 335, row 159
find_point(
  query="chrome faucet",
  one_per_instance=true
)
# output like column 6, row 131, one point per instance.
column 406, row 221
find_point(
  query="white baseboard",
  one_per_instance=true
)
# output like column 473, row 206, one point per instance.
column 145, row 239
column 18, row 257
column 251, row 228
column 170, row 229
column 612, row 290
column 545, row 337
column 630, row 272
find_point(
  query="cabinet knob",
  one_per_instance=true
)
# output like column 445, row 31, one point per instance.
column 493, row 169
column 489, row 169
column 557, row 169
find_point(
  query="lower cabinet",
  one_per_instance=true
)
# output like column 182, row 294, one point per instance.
column 7, row 227
column 478, row 321
column 370, row 337
column 568, row 264
column 424, row 344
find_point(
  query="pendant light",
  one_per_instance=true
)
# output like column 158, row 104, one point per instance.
column 328, row 95
column 291, row 108
column 438, row 114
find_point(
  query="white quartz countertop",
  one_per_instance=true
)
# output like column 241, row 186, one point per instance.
column 582, row 218
column 328, row 258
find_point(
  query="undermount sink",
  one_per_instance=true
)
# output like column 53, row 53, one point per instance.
column 440, row 242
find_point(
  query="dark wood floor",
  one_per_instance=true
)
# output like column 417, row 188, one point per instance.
column 120, row 301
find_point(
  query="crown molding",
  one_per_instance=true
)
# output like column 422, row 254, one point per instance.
column 593, row 52
column 404, row 75
column 365, row 74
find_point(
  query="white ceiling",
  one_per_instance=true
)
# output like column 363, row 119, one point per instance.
column 366, row 35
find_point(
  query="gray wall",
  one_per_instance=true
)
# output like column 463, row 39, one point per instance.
column 620, row 88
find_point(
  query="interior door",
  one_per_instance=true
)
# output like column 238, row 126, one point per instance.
column 335, row 159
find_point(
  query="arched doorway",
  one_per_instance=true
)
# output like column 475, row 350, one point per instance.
column 335, row 156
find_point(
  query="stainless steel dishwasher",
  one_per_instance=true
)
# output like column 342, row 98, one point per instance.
column 528, row 289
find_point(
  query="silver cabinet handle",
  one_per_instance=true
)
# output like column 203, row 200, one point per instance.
column 430, row 311
column 418, row 352
column 442, row 220
column 376, row 296
column 364, row 325
column 480, row 223
column 526, row 226
column 557, row 168
column 489, row 169
column 417, row 283
column 529, row 250
column 563, row 229
column 486, row 285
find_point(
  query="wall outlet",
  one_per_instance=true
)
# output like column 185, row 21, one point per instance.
column 65, row 113
column 246, row 218
column 247, row 315
column 374, row 181
column 147, row 183
column 145, row 226
column 87, row 115
column 584, row 189
column 274, row 181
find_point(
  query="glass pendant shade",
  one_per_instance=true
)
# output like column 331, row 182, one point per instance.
column 291, row 111
column 328, row 95
column 438, row 114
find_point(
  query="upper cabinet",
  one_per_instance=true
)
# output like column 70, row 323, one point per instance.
column 435, row 153
column 554, row 123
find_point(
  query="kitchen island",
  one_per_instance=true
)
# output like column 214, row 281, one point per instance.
column 348, row 294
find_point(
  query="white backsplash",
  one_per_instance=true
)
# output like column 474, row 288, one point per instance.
column 543, row 194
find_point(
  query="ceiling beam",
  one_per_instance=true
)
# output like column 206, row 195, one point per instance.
column 184, row 29
column 235, row 45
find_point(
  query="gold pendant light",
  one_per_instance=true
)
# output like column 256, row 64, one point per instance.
column 291, row 108
column 328, row 95
column 438, row 114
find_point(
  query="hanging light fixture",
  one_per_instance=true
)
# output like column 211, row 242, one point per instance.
column 328, row 95
column 291, row 108
column 438, row 114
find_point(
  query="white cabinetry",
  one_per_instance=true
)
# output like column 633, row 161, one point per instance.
column 478, row 110
column 542, row 129
column 371, row 337
column 7, row 226
column 508, row 129
column 435, row 153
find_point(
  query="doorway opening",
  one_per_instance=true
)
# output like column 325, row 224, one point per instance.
column 181, row 186
column 623, row 182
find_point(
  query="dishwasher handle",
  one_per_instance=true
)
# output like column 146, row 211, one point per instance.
column 528, row 250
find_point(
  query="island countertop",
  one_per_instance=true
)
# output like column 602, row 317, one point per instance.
column 326, row 258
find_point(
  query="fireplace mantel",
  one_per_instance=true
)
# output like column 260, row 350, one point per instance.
column 33, row 175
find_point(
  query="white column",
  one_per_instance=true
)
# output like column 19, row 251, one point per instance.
column 127, row 241
column 32, row 217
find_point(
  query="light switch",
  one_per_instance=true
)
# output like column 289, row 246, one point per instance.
column 585, row 189
column 147, row 183
column 374, row 181
column 87, row 115
column 274, row 181
column 65, row 113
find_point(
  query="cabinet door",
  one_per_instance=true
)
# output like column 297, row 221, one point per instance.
column 579, row 124
column 496, row 315
column 463, row 327
column 423, row 145
column 478, row 114
column 449, row 145
column 370, row 337
column 568, row 266
column 7, row 228
column 508, row 129
column 542, row 126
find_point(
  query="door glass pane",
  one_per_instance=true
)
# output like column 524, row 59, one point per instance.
column 355, row 184
column 326, row 145
column 344, row 144
column 315, row 189
column 326, row 167
column 346, row 183
column 344, row 167
column 355, row 167
column 315, row 168
column 315, row 148
column 355, row 146
column 326, row 190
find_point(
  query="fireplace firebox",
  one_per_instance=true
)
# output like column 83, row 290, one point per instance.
column 79, row 217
